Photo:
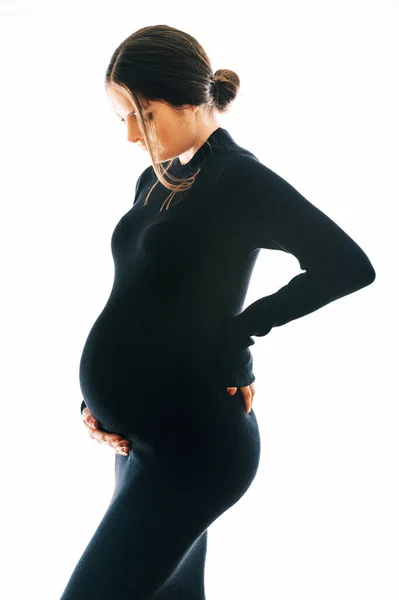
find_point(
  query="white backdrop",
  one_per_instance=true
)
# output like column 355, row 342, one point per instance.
column 318, row 105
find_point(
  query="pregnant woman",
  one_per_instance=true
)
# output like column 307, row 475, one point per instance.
column 173, row 340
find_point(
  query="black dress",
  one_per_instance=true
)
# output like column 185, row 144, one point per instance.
column 171, row 338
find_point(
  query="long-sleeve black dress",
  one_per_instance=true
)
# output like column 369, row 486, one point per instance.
column 171, row 338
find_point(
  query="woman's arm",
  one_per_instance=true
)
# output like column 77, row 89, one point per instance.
column 276, row 216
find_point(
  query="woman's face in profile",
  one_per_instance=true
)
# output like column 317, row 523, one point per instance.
column 173, row 126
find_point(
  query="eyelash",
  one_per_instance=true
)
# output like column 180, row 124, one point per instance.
column 148, row 115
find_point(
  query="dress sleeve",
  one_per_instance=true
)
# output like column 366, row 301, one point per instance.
column 276, row 216
column 82, row 406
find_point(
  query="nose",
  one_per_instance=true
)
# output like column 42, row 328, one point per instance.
column 134, row 138
column 134, row 134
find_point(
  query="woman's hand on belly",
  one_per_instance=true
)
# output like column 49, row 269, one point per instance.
column 248, row 391
column 117, row 442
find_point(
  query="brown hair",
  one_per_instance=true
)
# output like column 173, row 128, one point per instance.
column 165, row 64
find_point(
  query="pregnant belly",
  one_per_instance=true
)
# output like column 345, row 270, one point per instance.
column 129, row 365
column 115, row 350
column 161, row 393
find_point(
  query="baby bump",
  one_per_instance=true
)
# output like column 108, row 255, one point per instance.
column 165, row 397
column 171, row 408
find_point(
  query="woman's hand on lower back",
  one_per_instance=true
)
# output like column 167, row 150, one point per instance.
column 117, row 442
column 248, row 391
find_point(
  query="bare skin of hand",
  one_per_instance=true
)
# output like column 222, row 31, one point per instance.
column 117, row 442
column 248, row 391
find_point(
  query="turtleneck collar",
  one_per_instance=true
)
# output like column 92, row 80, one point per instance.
column 216, row 141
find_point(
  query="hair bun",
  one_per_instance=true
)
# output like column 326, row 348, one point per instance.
column 226, row 84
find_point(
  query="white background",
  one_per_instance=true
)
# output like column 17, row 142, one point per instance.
column 318, row 105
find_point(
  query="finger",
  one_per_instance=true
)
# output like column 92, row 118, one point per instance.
column 91, row 428
column 115, row 441
column 231, row 390
column 122, row 452
column 122, row 444
column 103, row 436
column 89, row 419
column 247, row 394
column 102, row 440
column 252, row 387
column 110, row 438
column 100, row 434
